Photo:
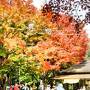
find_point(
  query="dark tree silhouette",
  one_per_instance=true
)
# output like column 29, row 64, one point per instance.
column 75, row 8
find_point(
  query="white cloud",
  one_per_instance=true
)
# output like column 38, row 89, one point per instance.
column 38, row 3
column 87, row 28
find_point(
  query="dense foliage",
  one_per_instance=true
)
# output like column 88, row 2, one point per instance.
column 33, row 42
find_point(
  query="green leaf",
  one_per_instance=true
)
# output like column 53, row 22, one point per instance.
column 88, row 53
column 1, row 30
column 2, row 52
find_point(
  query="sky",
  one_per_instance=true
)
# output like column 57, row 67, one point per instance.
column 40, row 3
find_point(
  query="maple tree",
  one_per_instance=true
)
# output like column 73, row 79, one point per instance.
column 67, row 44
column 16, row 31
column 38, row 41
column 22, row 26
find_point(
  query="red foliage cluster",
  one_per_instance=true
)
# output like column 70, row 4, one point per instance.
column 67, row 44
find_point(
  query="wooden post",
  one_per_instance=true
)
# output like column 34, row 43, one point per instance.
column 87, row 84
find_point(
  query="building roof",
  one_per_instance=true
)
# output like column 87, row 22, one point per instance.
column 81, row 71
column 83, row 68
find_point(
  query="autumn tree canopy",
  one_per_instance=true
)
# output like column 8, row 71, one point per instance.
column 43, row 39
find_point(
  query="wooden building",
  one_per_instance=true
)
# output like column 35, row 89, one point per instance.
column 77, row 76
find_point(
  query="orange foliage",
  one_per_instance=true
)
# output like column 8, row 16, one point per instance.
column 18, row 9
column 67, row 44
column 13, row 43
column 46, row 66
